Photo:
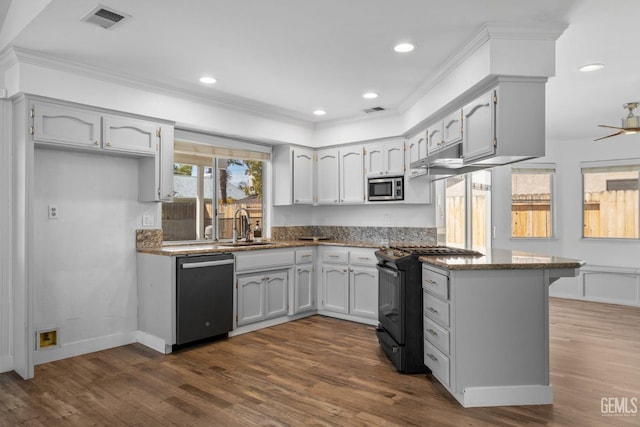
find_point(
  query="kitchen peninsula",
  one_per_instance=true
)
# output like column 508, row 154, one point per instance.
column 486, row 325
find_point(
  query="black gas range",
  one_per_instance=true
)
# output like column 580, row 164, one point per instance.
column 400, row 302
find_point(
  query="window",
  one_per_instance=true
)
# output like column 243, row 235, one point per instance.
column 210, row 185
column 468, row 211
column 532, row 202
column 610, row 201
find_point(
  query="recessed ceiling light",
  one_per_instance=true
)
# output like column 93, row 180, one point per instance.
column 207, row 80
column 403, row 47
column 319, row 112
column 591, row 67
column 370, row 95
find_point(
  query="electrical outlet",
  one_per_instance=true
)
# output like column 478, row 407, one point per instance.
column 53, row 211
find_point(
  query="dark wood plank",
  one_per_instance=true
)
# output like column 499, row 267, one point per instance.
column 321, row 371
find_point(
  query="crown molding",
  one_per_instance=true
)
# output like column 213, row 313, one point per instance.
column 491, row 30
column 219, row 99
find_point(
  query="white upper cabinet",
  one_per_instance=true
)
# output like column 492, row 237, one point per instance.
column 452, row 128
column 434, row 137
column 416, row 150
column 302, row 176
column 128, row 135
column 327, row 177
column 385, row 158
column 351, row 174
column 81, row 128
column 293, row 175
column 479, row 126
column 69, row 126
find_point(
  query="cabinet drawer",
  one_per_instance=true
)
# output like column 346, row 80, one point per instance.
column 366, row 258
column 266, row 259
column 437, row 361
column 435, row 309
column 436, row 335
column 304, row 256
column 437, row 284
column 337, row 257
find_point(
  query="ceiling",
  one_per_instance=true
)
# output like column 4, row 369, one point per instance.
column 291, row 57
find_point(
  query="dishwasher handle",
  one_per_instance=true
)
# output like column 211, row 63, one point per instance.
column 202, row 264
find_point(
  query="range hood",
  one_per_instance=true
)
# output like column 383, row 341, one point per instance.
column 450, row 162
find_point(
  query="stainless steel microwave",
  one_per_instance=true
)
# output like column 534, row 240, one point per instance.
column 385, row 188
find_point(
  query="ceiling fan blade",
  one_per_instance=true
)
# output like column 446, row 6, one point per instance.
column 612, row 127
column 609, row 136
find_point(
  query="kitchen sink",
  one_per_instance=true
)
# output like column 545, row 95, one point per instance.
column 242, row 244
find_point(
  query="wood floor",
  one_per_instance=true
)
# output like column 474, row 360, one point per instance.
column 321, row 371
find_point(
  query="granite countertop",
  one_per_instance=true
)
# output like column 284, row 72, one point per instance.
column 503, row 259
column 208, row 248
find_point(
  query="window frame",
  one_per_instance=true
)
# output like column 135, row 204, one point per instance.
column 531, row 168
column 214, row 147
column 608, row 166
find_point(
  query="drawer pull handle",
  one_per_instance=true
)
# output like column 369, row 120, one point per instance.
column 432, row 357
column 431, row 282
column 306, row 256
column 363, row 257
column 334, row 256
column 433, row 310
column 432, row 332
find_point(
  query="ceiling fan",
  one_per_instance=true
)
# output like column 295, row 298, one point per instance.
column 630, row 124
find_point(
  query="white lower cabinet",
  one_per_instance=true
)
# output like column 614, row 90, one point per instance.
column 335, row 279
column 304, row 289
column 350, row 284
column 262, row 284
column 363, row 292
column 262, row 296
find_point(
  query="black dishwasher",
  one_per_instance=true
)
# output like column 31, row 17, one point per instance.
column 204, row 297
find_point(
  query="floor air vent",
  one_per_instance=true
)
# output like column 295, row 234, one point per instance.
column 374, row 109
column 104, row 17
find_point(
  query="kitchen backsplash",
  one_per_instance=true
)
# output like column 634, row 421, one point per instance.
column 378, row 235
column 148, row 238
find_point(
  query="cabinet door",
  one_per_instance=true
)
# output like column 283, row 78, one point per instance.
column 250, row 298
column 351, row 175
column 363, row 283
column 127, row 135
column 302, row 176
column 435, row 138
column 335, row 281
column 155, row 174
column 452, row 128
column 479, row 127
column 304, row 289
column 275, row 284
column 65, row 125
column 327, row 177
column 394, row 158
column 374, row 159
column 416, row 150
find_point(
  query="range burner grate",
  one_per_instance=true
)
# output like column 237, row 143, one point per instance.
column 436, row 250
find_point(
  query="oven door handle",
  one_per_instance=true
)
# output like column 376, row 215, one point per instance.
column 387, row 270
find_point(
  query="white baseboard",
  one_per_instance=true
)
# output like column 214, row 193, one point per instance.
column 153, row 342
column 349, row 317
column 78, row 348
column 506, row 396
column 6, row 364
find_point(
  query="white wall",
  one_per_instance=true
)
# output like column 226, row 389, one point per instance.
column 85, row 280
column 617, row 260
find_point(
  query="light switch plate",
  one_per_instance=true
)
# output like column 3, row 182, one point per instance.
column 147, row 220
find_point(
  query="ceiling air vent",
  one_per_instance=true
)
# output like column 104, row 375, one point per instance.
column 104, row 17
column 373, row 109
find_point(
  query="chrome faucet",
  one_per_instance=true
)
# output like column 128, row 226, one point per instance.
column 246, row 224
